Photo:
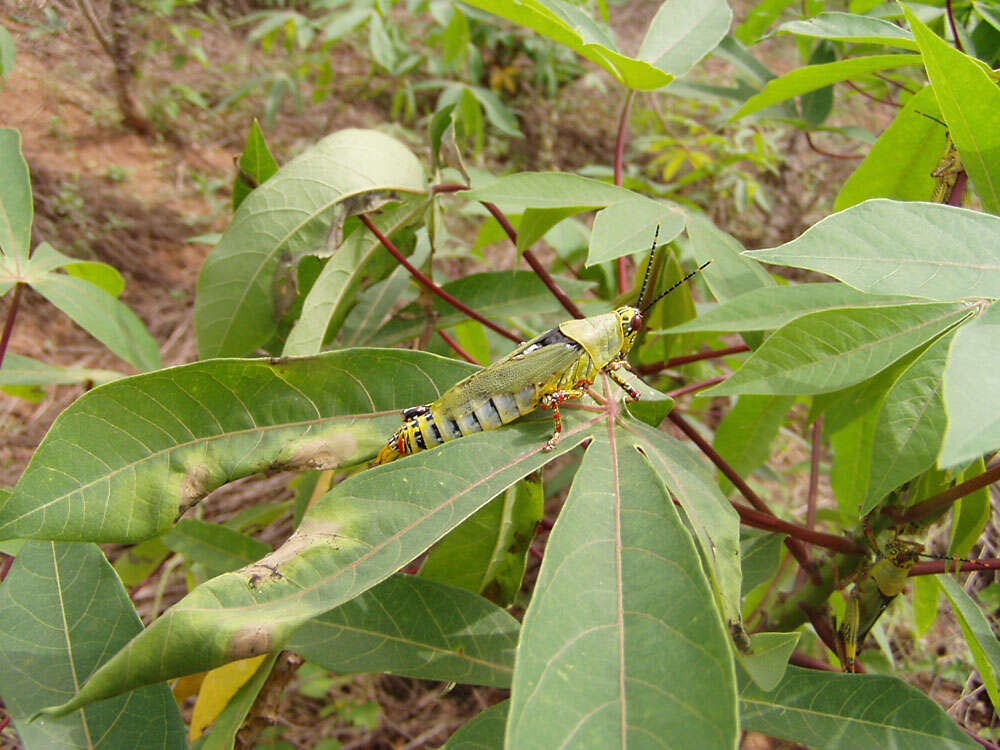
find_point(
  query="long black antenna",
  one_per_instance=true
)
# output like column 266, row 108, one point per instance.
column 932, row 117
column 704, row 265
column 649, row 265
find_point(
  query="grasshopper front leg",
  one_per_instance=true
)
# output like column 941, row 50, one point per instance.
column 611, row 370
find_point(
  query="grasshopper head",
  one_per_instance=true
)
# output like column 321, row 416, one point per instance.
column 630, row 320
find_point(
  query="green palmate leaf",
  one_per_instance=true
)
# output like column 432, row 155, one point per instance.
column 970, row 514
column 487, row 553
column 768, row 661
column 471, row 336
column 246, row 281
column 135, row 564
column 849, row 27
column 900, row 163
column 910, row 425
column 103, row 317
column 759, row 20
column 817, row 105
column 628, row 227
column 359, row 262
column 812, row 77
column 535, row 222
column 15, row 198
column 760, row 552
column 19, row 370
column 731, row 273
column 829, row 710
column 100, row 275
column 682, row 32
column 216, row 548
column 889, row 247
column 62, row 612
column 222, row 734
column 970, row 103
column 256, row 163
column 549, row 190
column 745, row 434
column 826, row 351
column 772, row 307
column 711, row 517
column 621, row 560
column 926, row 598
column 570, row 26
column 851, row 416
column 485, row 731
column 493, row 294
column 373, row 306
column 182, row 432
column 354, row 537
column 978, row 635
column 970, row 381
column 416, row 628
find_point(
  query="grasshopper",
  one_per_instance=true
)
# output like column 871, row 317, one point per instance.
column 868, row 599
column 557, row 366
column 948, row 168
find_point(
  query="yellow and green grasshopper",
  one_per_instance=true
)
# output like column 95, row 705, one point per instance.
column 948, row 168
column 880, row 584
column 557, row 366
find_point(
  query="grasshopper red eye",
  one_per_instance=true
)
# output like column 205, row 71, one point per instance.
column 636, row 322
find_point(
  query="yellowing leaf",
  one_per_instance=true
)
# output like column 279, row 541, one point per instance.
column 218, row 688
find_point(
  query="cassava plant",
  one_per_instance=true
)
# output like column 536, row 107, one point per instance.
column 670, row 603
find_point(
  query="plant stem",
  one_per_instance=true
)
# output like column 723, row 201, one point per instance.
column 767, row 522
column 936, row 567
column 801, row 660
column 687, row 358
column 8, row 326
column 824, row 152
column 457, row 347
column 817, row 444
column 874, row 98
column 942, row 500
column 954, row 28
column 792, row 542
column 691, row 388
column 537, row 267
column 431, row 286
column 619, row 160
column 448, row 187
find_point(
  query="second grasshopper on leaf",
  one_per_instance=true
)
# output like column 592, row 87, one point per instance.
column 557, row 366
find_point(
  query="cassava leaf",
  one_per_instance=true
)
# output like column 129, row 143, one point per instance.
column 825, row 351
column 354, row 537
column 830, row 710
column 243, row 284
column 569, row 26
column 890, row 247
column 970, row 103
column 181, row 432
column 969, row 382
column 769, row 308
column 62, row 612
column 622, row 561
column 813, row 77
column 417, row 628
